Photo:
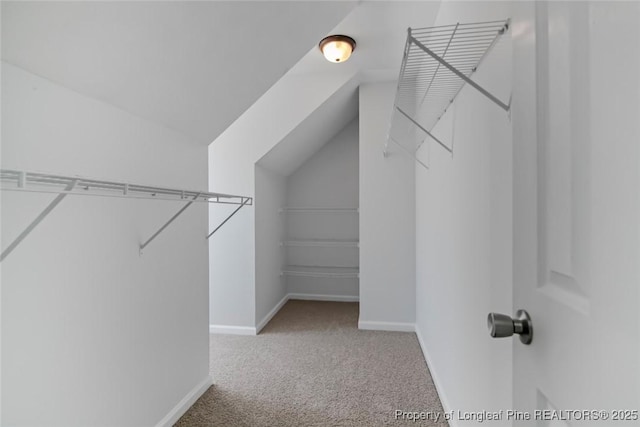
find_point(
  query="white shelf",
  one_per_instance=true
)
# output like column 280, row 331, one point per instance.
column 64, row 185
column 322, row 243
column 318, row 210
column 437, row 63
column 320, row 272
column 36, row 182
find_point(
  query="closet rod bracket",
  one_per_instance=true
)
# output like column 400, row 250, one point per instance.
column 184, row 208
column 244, row 202
column 39, row 218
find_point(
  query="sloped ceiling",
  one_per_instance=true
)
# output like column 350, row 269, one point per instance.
column 380, row 31
column 191, row 66
column 315, row 131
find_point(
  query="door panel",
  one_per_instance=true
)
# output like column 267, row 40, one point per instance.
column 577, row 209
column 564, row 153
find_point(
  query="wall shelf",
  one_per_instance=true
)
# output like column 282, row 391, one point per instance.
column 323, row 243
column 437, row 63
column 320, row 271
column 318, row 228
column 14, row 180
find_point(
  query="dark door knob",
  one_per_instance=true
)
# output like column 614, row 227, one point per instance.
column 501, row 325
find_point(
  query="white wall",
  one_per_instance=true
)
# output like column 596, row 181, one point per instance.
column 232, row 266
column 271, row 288
column 232, row 160
column 329, row 179
column 93, row 333
column 464, row 237
column 387, row 219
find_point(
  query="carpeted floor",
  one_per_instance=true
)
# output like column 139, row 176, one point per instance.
column 311, row 366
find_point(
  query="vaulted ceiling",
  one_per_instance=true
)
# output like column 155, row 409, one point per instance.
column 193, row 66
column 380, row 30
column 198, row 66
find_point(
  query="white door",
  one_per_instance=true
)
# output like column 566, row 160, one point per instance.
column 576, row 121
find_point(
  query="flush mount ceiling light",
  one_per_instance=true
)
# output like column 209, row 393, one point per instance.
column 337, row 48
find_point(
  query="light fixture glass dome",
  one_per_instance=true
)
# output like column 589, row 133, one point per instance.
column 337, row 48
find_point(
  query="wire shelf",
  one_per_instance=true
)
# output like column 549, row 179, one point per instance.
column 437, row 63
column 321, row 243
column 320, row 272
column 14, row 180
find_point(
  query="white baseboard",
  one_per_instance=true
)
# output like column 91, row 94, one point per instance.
column 232, row 330
column 248, row 330
column 313, row 297
column 306, row 297
column 272, row 313
column 386, row 326
column 436, row 379
column 186, row 403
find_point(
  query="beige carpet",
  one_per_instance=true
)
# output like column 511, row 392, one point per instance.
column 311, row 366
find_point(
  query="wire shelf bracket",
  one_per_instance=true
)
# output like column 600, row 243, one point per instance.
column 436, row 64
column 246, row 200
column 14, row 180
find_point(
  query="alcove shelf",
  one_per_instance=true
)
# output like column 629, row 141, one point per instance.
column 321, row 248
column 323, row 243
column 320, row 271
column 436, row 64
